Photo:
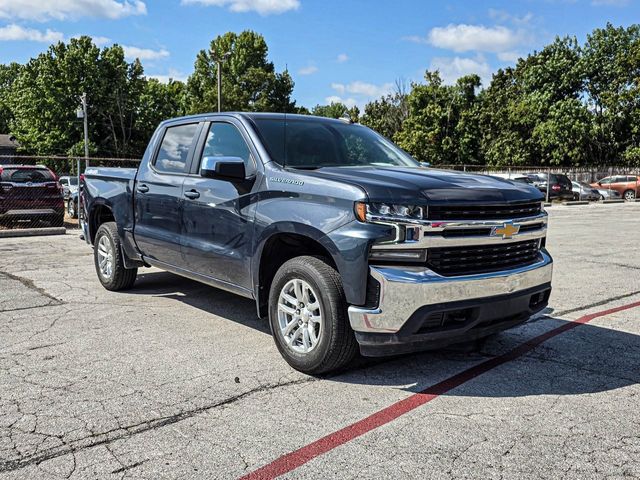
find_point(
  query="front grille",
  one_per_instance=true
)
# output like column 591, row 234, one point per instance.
column 484, row 212
column 480, row 231
column 453, row 261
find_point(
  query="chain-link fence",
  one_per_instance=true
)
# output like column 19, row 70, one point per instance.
column 42, row 191
column 609, row 183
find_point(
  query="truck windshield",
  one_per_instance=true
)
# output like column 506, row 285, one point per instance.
column 315, row 144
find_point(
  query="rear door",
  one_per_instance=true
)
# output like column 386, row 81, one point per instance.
column 158, row 195
column 218, row 214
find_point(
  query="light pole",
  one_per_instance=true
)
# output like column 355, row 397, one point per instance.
column 82, row 113
column 219, row 60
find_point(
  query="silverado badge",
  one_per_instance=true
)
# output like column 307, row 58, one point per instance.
column 507, row 230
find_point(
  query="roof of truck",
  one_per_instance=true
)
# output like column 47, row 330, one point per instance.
column 257, row 115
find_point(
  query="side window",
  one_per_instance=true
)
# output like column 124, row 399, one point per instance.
column 224, row 140
column 606, row 180
column 172, row 157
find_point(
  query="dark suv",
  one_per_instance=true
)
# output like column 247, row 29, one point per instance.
column 560, row 187
column 30, row 193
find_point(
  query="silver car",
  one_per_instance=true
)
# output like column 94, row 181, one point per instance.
column 584, row 191
column 608, row 194
column 69, row 185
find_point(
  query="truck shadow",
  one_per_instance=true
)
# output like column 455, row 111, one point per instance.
column 587, row 359
column 209, row 299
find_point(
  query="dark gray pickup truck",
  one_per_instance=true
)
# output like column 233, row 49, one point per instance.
column 343, row 240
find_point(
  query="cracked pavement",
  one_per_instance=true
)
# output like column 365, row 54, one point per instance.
column 175, row 379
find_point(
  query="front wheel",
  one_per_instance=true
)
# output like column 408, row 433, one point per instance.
column 71, row 209
column 308, row 316
column 629, row 195
column 107, row 256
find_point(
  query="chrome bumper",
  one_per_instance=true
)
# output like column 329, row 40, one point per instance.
column 404, row 290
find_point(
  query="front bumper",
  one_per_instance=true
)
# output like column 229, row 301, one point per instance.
column 476, row 305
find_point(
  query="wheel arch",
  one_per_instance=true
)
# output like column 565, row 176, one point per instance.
column 281, row 245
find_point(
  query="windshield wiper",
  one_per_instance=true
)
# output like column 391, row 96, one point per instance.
column 304, row 167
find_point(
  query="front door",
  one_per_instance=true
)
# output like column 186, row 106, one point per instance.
column 218, row 214
column 158, row 196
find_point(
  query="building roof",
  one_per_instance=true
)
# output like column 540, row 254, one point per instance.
column 7, row 140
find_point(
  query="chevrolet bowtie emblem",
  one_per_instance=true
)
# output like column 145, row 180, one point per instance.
column 507, row 230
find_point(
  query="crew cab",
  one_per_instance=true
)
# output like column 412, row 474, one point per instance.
column 343, row 240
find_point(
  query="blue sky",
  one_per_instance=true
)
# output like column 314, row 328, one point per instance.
column 348, row 50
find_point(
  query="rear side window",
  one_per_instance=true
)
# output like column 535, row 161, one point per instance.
column 172, row 157
column 26, row 175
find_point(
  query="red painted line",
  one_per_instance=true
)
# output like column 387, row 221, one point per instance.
column 297, row 458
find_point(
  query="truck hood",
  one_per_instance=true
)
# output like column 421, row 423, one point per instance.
column 429, row 186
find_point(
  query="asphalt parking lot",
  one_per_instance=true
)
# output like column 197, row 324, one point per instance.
column 179, row 380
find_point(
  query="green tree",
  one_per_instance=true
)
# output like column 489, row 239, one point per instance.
column 250, row 82
column 8, row 74
column 388, row 114
column 336, row 110
column 441, row 126
column 533, row 114
column 45, row 96
column 611, row 62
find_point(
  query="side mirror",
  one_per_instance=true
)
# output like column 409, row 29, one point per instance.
column 425, row 164
column 226, row 167
column 600, row 183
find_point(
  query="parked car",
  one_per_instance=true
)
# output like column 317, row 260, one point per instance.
column 560, row 185
column 69, row 185
column 30, row 193
column 626, row 185
column 606, row 194
column 584, row 191
column 514, row 177
column 342, row 239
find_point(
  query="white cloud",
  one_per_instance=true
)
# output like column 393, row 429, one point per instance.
column 343, row 57
column 504, row 16
column 452, row 68
column 101, row 41
column 463, row 38
column 511, row 57
column 18, row 33
column 172, row 75
column 144, row 53
column 349, row 102
column 309, row 70
column 263, row 7
column 42, row 10
column 363, row 88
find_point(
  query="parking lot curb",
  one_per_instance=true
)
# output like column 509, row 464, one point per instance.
column 613, row 201
column 576, row 202
column 32, row 232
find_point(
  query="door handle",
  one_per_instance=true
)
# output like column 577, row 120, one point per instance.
column 192, row 194
column 142, row 188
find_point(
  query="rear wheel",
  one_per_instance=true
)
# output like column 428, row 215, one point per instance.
column 308, row 316
column 629, row 195
column 107, row 255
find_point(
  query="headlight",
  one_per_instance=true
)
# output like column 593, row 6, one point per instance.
column 388, row 211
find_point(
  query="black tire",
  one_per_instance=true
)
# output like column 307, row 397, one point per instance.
column 121, row 278
column 629, row 195
column 72, row 211
column 337, row 344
